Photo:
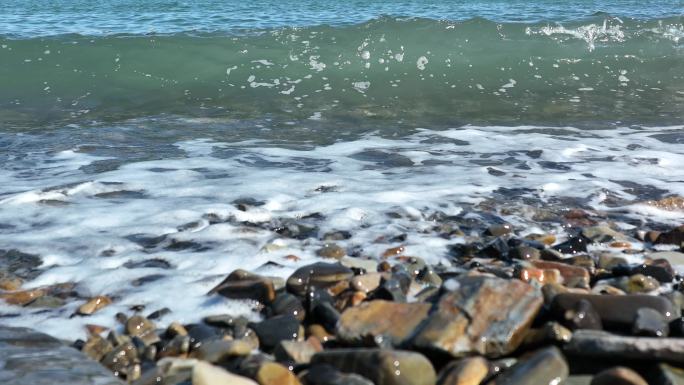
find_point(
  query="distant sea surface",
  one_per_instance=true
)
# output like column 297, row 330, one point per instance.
column 222, row 134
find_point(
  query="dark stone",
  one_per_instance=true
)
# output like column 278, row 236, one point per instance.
column 159, row 313
column 672, row 237
column 273, row 330
column 325, row 315
column 241, row 284
column 147, row 279
column 29, row 357
column 573, row 245
column 318, row 275
column 465, row 250
column 200, row 333
column 20, row 264
column 677, row 327
column 154, row 263
column 605, row 346
column 546, row 366
column 583, row 316
column 287, row 304
column 660, row 269
column 616, row 311
column 336, row 236
column 498, row 248
column 650, row 323
column 323, row 374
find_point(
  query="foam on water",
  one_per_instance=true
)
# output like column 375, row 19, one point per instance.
column 86, row 225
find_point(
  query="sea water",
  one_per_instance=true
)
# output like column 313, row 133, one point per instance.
column 215, row 135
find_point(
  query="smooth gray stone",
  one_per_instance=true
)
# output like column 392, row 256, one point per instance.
column 28, row 357
column 593, row 343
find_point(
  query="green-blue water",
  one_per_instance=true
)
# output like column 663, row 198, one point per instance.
column 378, row 63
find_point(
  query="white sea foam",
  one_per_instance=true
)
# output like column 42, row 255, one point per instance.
column 353, row 185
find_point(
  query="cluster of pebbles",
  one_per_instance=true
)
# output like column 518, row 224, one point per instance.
column 510, row 309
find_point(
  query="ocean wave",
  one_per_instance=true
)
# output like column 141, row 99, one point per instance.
column 602, row 69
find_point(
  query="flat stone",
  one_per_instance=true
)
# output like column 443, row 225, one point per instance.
column 602, row 234
column 650, row 323
column 599, row 344
column 618, row 375
column 94, row 304
column 219, row 351
column 484, row 315
column 241, row 284
column 30, row 357
column 382, row 366
column 331, row 250
column 298, row 352
column 381, row 323
column 319, row 275
column 614, row 310
column 545, row 366
column 207, row 374
column 466, row 371
column 573, row 276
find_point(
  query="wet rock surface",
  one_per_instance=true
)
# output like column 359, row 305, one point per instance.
column 504, row 306
column 484, row 315
column 29, row 357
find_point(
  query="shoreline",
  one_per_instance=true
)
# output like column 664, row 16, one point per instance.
column 532, row 307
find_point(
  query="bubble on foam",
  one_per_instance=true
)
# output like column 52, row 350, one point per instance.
column 421, row 62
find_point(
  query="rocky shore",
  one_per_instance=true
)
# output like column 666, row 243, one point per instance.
column 512, row 307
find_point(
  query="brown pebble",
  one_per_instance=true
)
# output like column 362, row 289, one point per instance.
column 10, row 283
column 618, row 375
column 467, row 371
column 319, row 332
column 621, row 245
column 96, row 329
column 292, row 257
column 94, row 304
column 393, row 251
